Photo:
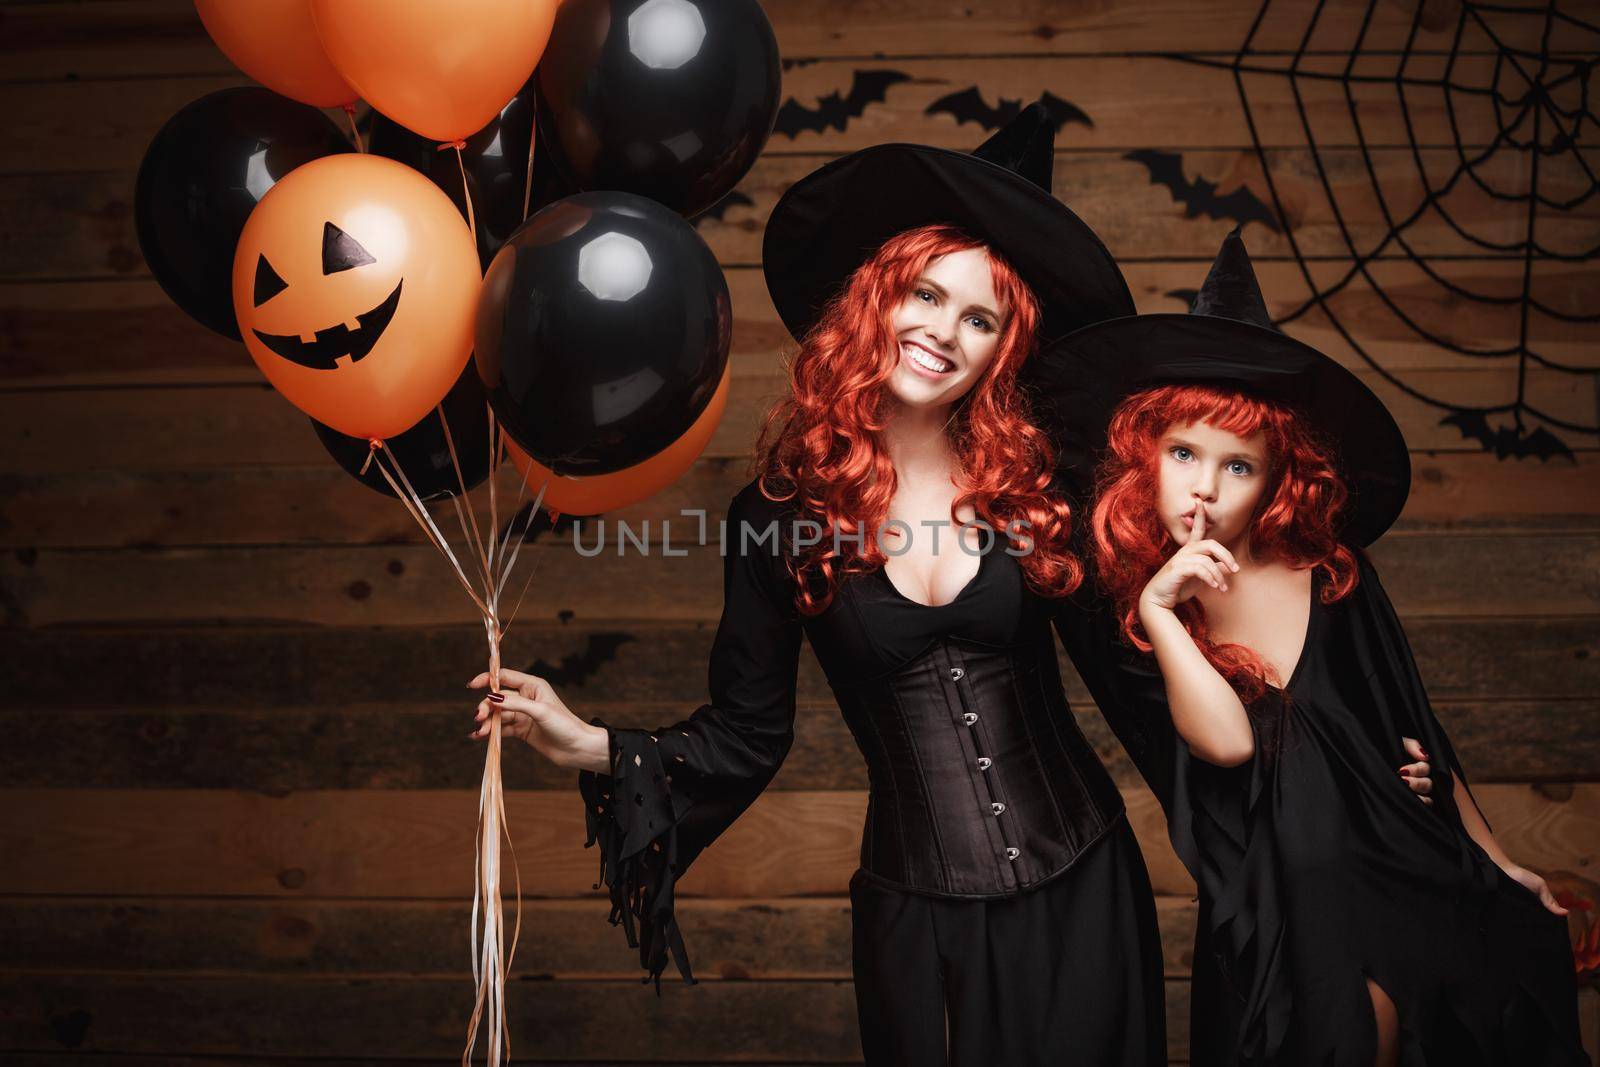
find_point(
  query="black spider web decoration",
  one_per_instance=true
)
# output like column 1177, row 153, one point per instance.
column 1526, row 90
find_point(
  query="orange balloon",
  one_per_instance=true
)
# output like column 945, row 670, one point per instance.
column 593, row 493
column 275, row 42
column 442, row 70
column 356, row 285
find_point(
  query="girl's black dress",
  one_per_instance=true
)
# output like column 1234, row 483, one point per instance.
column 1002, row 914
column 1318, row 868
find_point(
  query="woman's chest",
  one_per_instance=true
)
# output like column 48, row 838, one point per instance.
column 872, row 628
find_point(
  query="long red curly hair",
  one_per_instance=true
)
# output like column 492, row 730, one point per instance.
column 1296, row 519
column 819, row 445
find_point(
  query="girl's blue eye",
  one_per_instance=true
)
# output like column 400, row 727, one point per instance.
column 1181, row 454
column 1239, row 467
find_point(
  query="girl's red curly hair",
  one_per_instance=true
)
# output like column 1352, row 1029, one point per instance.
column 1296, row 520
column 819, row 446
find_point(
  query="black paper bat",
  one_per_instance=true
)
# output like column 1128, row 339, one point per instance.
column 969, row 106
column 1200, row 196
column 866, row 87
column 720, row 208
column 578, row 667
column 1508, row 441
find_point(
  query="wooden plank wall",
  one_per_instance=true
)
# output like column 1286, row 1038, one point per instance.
column 237, row 803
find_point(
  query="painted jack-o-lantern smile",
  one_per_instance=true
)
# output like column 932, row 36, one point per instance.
column 340, row 252
column 355, row 283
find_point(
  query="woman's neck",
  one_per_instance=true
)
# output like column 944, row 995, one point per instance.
column 917, row 442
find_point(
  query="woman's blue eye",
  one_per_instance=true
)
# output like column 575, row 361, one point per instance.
column 979, row 322
column 920, row 293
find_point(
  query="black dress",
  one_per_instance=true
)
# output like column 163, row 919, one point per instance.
column 1318, row 868
column 1002, row 913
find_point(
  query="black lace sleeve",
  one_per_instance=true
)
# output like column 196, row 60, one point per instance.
column 672, row 791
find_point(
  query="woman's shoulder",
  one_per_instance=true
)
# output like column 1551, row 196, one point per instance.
column 752, row 505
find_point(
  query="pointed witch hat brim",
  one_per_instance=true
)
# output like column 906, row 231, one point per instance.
column 828, row 223
column 1227, row 340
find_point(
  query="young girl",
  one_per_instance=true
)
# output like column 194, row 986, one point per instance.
column 1267, row 682
column 1002, row 915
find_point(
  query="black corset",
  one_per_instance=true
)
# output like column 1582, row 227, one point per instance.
column 981, row 782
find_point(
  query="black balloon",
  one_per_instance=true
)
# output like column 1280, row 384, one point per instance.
column 671, row 99
column 496, row 161
column 422, row 452
column 603, row 331
column 204, row 172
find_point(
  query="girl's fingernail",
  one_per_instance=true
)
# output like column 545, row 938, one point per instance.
column 497, row 698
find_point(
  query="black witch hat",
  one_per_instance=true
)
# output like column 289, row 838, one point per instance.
column 1227, row 340
column 835, row 218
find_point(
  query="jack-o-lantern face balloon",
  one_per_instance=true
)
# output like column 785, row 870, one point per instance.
column 355, row 286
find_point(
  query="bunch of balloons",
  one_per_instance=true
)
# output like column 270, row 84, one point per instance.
column 354, row 274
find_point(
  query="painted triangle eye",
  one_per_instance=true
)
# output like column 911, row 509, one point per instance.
column 340, row 251
column 268, row 284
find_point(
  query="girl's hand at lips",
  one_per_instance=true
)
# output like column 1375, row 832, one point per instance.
column 1198, row 560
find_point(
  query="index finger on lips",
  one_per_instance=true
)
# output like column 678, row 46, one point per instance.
column 1197, row 529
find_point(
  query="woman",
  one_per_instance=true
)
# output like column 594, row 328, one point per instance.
column 1002, row 913
column 1266, row 683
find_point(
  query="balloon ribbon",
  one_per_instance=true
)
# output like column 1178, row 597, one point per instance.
column 493, row 559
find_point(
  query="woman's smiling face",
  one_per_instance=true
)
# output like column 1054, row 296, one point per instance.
column 947, row 329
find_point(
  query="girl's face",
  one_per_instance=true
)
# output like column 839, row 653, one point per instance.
column 948, row 328
column 1200, row 464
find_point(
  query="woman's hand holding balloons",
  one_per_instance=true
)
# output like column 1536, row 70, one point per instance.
column 533, row 712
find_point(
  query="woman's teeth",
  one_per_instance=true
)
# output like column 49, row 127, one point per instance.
column 922, row 358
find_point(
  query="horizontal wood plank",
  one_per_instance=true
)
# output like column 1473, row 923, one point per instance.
column 626, row 661
column 320, row 505
column 1129, row 101
column 55, row 334
column 419, row 844
column 601, row 573
column 427, row 1017
column 87, row 39
column 728, row 940
column 78, row 225
column 70, row 432
column 397, row 744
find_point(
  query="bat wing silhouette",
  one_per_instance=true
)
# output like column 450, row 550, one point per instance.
column 968, row 105
column 1199, row 197
column 720, row 208
column 578, row 667
column 835, row 111
column 1507, row 441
